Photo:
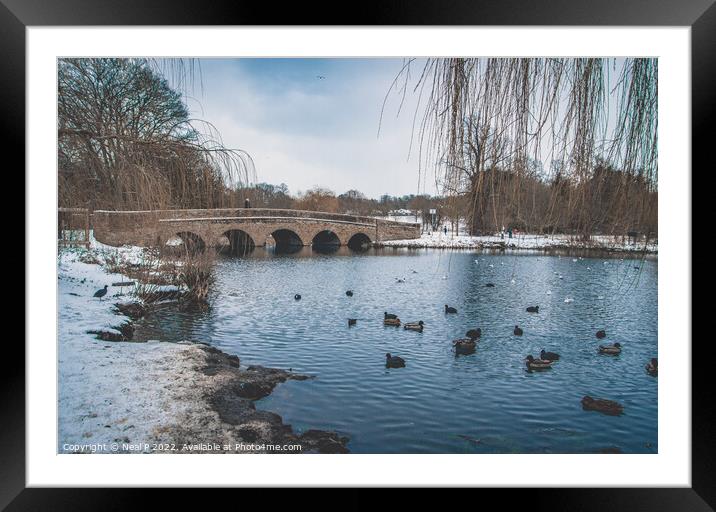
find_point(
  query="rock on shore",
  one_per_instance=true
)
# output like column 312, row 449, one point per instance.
column 230, row 393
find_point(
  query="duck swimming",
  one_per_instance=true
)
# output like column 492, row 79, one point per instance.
column 652, row 367
column 297, row 296
column 392, row 321
column 518, row 331
column 387, row 315
column 601, row 334
column 608, row 407
column 414, row 326
column 349, row 293
column 352, row 321
column 464, row 346
column 449, row 309
column 473, row 334
column 533, row 309
column 548, row 356
column 612, row 350
column 489, row 285
column 537, row 364
column 394, row 361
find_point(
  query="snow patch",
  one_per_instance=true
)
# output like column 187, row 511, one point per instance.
column 440, row 240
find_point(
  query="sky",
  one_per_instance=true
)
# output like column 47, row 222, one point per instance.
column 314, row 122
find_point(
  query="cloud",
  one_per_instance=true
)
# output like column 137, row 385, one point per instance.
column 304, row 130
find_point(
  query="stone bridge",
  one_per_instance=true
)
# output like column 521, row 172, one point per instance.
column 245, row 228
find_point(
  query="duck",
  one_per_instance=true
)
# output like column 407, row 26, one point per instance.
column 518, row 331
column 568, row 300
column 601, row 333
column 537, row 364
column 464, row 346
column 608, row 407
column 612, row 350
column 349, row 293
column 548, row 356
column 449, row 309
column 414, row 326
column 297, row 296
column 533, row 309
column 352, row 321
column 490, row 285
column 101, row 292
column 473, row 334
column 652, row 367
column 399, row 279
column 387, row 315
column 394, row 361
column 392, row 321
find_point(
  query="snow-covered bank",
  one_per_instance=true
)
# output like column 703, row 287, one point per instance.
column 156, row 396
column 439, row 240
column 111, row 392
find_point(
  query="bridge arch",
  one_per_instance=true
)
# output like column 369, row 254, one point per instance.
column 188, row 241
column 286, row 240
column 359, row 242
column 325, row 241
column 240, row 242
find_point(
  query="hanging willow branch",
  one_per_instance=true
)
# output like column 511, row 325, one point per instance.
column 489, row 127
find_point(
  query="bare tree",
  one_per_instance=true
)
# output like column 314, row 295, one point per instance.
column 318, row 199
column 126, row 141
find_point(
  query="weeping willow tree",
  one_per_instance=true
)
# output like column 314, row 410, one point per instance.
column 542, row 144
column 126, row 140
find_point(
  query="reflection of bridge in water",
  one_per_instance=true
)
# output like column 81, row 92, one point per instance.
column 240, row 230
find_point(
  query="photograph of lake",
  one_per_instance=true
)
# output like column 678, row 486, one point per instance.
column 358, row 255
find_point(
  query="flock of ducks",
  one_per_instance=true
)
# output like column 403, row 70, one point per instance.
column 468, row 345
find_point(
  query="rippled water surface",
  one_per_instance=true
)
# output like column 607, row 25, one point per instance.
column 485, row 402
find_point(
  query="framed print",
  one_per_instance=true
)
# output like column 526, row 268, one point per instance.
column 425, row 249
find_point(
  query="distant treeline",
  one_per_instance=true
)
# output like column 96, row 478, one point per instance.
column 266, row 195
column 607, row 202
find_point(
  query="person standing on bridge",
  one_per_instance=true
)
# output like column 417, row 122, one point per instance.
column 247, row 203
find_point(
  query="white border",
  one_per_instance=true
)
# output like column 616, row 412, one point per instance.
column 671, row 467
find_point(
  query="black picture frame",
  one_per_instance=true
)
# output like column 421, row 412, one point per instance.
column 700, row 15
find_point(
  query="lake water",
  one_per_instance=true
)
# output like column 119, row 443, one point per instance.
column 441, row 403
